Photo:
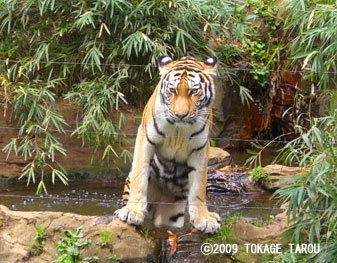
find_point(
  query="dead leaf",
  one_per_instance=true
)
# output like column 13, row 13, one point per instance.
column 173, row 242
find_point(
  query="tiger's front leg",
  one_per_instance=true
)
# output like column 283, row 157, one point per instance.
column 200, row 217
column 135, row 209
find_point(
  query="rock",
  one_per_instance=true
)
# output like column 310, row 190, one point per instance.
column 250, row 186
column 218, row 156
column 17, row 232
column 243, row 232
column 279, row 172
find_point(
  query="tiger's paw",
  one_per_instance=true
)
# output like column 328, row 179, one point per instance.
column 130, row 216
column 209, row 224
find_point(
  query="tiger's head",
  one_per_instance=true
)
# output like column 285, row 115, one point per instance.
column 186, row 88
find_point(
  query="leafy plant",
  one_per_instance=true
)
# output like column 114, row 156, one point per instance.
column 69, row 246
column 311, row 198
column 267, row 10
column 144, row 230
column 36, row 247
column 261, row 60
column 263, row 223
column 258, row 173
column 34, row 106
column 105, row 236
column 223, row 235
column 313, row 48
column 114, row 258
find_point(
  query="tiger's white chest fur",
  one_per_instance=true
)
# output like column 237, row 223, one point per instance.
column 178, row 150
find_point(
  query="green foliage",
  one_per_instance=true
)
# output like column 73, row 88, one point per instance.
column 98, row 99
column 34, row 106
column 223, row 235
column 260, row 223
column 245, row 95
column 314, row 47
column 144, row 231
column 114, row 258
column 36, row 247
column 267, row 10
column 105, row 236
column 311, row 199
column 258, row 173
column 261, row 61
column 69, row 247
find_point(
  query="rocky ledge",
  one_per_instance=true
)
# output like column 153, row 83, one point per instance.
column 18, row 230
column 17, row 233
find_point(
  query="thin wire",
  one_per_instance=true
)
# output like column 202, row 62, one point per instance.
column 159, row 136
column 152, row 66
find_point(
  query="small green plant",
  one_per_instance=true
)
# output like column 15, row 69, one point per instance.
column 264, row 222
column 36, row 247
column 114, row 258
column 144, row 230
column 223, row 235
column 105, row 236
column 70, row 245
column 258, row 173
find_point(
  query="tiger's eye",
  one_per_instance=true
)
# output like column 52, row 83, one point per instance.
column 194, row 91
column 172, row 90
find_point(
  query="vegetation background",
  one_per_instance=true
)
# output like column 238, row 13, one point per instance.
column 101, row 55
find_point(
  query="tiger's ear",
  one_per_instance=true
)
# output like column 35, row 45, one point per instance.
column 211, row 65
column 163, row 63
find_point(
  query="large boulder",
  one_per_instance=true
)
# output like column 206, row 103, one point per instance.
column 244, row 232
column 218, row 156
column 17, row 232
column 279, row 176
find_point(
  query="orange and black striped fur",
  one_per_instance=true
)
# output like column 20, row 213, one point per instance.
column 170, row 160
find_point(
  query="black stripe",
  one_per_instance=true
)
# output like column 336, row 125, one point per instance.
column 156, row 127
column 200, row 131
column 155, row 167
column 169, row 121
column 167, row 169
column 186, row 68
column 162, row 98
column 211, row 95
column 175, row 217
column 199, row 148
column 175, row 181
column 126, row 193
column 148, row 139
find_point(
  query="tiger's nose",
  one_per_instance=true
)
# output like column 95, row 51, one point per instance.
column 181, row 115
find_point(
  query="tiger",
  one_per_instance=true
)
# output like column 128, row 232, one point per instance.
column 169, row 168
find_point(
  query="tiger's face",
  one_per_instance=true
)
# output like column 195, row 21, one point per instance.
column 186, row 88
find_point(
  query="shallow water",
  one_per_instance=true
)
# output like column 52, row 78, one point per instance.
column 96, row 198
column 240, row 155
